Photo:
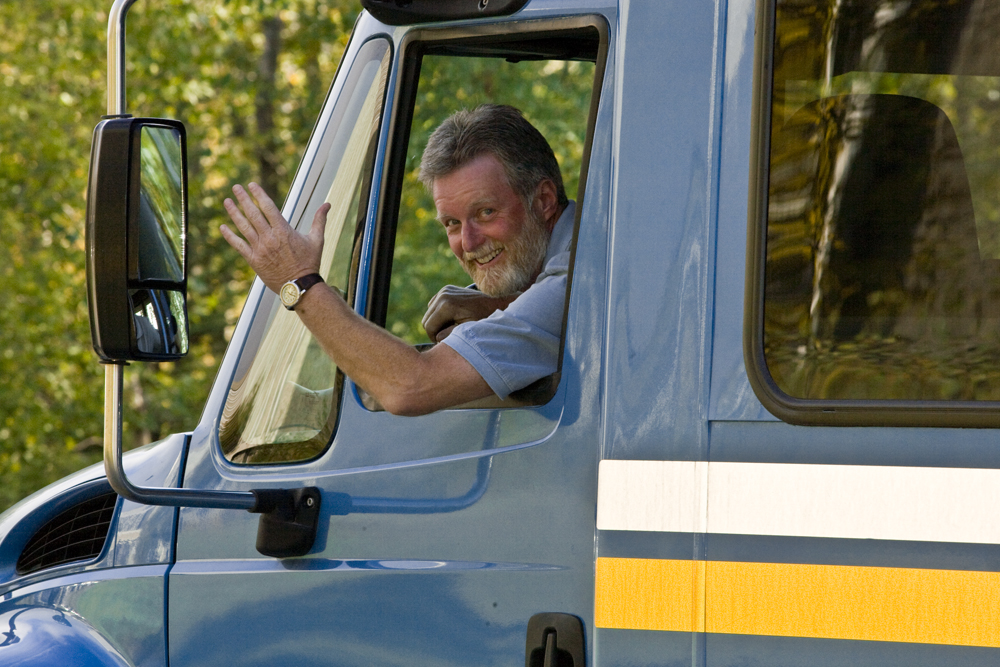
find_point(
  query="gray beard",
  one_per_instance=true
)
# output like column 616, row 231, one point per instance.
column 524, row 260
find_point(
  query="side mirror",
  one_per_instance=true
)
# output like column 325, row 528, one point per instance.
column 136, row 237
column 137, row 293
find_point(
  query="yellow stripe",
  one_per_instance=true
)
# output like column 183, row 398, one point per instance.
column 650, row 594
column 788, row 600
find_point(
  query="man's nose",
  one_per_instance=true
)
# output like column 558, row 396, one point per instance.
column 472, row 236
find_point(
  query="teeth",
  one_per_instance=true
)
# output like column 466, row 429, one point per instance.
column 488, row 258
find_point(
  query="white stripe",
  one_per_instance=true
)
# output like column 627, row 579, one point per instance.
column 862, row 502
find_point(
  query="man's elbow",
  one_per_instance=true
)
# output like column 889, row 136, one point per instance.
column 406, row 408
column 407, row 403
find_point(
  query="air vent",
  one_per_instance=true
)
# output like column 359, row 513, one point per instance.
column 76, row 534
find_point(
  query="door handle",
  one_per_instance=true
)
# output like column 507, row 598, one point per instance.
column 555, row 640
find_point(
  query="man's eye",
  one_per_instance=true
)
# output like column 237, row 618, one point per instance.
column 486, row 212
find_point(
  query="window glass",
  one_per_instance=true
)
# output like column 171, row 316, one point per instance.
column 882, row 276
column 282, row 405
column 554, row 95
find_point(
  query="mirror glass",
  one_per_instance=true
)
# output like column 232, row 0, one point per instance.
column 161, row 229
column 160, row 320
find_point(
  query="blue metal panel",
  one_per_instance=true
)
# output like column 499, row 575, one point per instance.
column 431, row 587
column 89, row 613
column 731, row 394
column 98, row 617
column 862, row 553
column 144, row 534
column 647, row 544
column 659, row 302
column 643, row 648
column 778, row 442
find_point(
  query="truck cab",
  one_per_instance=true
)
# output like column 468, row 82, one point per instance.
column 771, row 438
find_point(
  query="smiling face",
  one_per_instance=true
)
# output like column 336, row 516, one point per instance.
column 500, row 242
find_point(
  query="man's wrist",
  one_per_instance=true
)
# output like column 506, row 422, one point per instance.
column 291, row 293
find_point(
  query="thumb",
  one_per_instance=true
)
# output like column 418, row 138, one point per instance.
column 318, row 229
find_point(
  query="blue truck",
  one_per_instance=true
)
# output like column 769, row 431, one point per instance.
column 772, row 438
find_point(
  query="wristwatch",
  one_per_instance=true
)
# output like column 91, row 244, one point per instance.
column 292, row 291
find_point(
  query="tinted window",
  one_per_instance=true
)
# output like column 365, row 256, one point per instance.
column 882, row 238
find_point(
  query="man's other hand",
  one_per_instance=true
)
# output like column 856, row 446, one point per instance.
column 453, row 305
column 270, row 246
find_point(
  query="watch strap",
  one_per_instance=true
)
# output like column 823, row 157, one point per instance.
column 307, row 281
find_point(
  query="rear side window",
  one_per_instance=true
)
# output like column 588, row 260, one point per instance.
column 874, row 264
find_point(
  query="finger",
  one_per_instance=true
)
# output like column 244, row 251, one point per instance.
column 233, row 239
column 256, row 219
column 442, row 293
column 425, row 322
column 267, row 205
column 444, row 333
column 433, row 306
column 430, row 322
column 318, row 230
column 437, row 319
column 236, row 215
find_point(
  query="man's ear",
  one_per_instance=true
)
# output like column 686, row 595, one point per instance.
column 547, row 201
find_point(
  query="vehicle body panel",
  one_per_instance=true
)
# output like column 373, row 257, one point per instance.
column 105, row 611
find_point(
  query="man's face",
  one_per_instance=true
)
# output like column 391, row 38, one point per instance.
column 499, row 242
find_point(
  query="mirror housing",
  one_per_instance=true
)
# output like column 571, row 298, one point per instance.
column 136, row 238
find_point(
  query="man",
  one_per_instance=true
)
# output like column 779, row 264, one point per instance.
column 499, row 195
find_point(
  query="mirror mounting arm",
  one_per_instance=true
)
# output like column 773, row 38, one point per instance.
column 116, row 56
column 113, row 372
column 289, row 517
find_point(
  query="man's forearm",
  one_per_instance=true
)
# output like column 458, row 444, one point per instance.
column 402, row 380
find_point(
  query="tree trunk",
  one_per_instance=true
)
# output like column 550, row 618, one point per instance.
column 267, row 147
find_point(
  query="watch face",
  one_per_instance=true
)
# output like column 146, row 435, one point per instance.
column 289, row 294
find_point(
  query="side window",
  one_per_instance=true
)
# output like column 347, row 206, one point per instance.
column 875, row 278
column 550, row 78
column 282, row 405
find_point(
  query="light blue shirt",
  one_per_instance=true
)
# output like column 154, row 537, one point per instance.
column 514, row 347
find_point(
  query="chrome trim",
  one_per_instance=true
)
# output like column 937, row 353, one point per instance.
column 237, row 500
column 116, row 56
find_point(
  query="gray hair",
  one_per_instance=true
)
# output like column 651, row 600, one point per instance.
column 501, row 131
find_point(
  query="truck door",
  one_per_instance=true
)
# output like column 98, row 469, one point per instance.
column 846, row 493
column 440, row 536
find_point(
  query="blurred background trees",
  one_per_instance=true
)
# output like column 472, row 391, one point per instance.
column 247, row 77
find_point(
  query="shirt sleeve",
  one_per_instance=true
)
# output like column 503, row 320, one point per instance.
column 514, row 347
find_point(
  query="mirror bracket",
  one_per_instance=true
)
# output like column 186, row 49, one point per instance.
column 289, row 517
column 288, row 522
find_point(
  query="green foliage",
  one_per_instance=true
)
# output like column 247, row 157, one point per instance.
column 204, row 62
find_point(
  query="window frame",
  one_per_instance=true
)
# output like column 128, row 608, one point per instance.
column 794, row 410
column 409, row 51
